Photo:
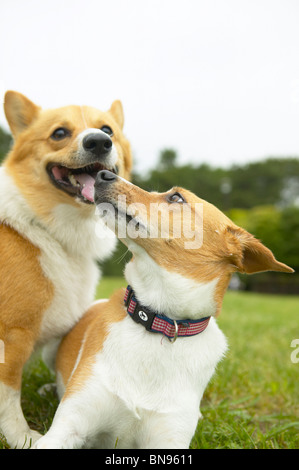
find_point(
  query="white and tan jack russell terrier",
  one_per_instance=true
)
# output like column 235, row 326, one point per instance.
column 132, row 372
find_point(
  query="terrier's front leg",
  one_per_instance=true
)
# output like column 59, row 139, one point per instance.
column 80, row 417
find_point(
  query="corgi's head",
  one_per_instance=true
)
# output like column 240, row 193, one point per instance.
column 182, row 234
column 58, row 152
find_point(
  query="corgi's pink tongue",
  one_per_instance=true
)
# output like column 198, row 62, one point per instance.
column 87, row 182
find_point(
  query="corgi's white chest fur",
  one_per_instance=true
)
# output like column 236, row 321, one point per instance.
column 68, row 247
column 74, row 280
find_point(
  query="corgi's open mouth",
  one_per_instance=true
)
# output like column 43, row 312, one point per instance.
column 77, row 181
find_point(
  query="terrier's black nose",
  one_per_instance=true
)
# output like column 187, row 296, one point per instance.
column 98, row 143
column 106, row 176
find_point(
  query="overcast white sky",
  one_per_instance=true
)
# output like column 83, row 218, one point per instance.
column 218, row 80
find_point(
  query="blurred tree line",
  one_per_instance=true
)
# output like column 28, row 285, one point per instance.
column 272, row 181
column 262, row 197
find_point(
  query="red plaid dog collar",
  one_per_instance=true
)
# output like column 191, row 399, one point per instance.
column 160, row 323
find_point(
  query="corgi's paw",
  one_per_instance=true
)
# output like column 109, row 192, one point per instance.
column 26, row 440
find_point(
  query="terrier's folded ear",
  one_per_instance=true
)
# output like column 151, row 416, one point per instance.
column 249, row 255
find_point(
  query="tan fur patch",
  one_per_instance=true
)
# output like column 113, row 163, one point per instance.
column 90, row 334
column 23, row 301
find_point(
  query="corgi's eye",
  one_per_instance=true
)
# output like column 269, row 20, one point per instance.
column 175, row 197
column 107, row 130
column 60, row 133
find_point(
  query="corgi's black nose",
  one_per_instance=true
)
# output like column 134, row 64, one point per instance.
column 97, row 143
column 105, row 176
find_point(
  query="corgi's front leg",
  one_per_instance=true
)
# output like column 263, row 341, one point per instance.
column 12, row 422
column 18, row 346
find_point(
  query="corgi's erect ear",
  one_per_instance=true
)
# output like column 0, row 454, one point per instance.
column 19, row 111
column 117, row 112
column 249, row 255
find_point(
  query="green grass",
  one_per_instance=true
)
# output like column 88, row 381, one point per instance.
column 252, row 401
column 108, row 285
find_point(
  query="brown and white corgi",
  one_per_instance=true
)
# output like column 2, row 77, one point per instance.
column 132, row 372
column 50, row 238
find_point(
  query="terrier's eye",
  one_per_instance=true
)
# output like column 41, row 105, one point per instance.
column 60, row 133
column 175, row 197
column 107, row 130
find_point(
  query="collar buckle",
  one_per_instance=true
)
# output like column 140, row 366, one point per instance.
column 172, row 340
